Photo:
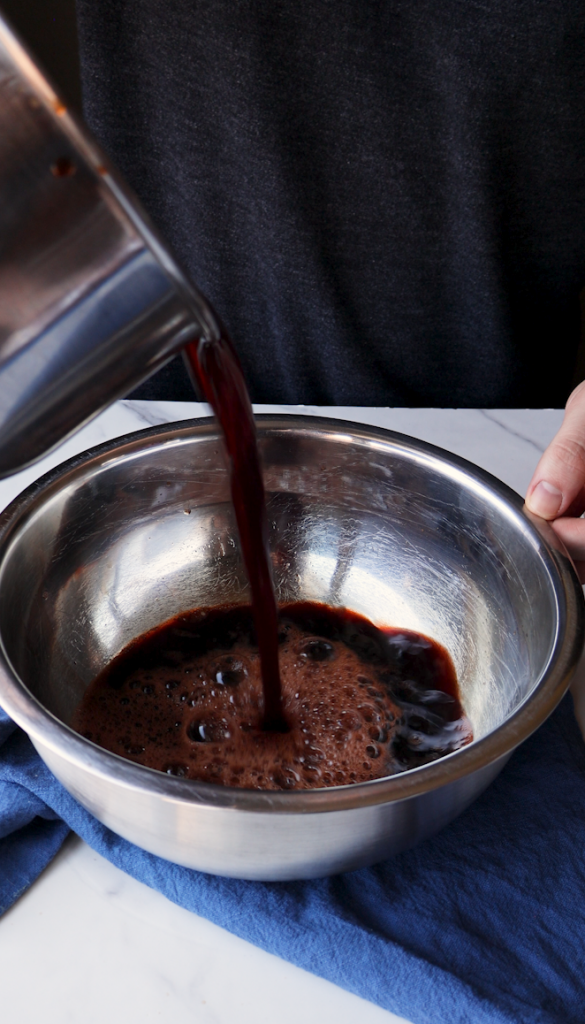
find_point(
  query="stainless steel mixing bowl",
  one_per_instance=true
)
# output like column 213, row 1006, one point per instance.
column 101, row 549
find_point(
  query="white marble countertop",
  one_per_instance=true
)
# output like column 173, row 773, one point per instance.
column 89, row 944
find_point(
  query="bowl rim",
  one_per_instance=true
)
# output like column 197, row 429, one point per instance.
column 49, row 732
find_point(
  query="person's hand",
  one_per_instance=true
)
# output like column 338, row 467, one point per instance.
column 557, row 489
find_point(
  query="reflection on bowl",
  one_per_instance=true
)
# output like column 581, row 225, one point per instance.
column 101, row 550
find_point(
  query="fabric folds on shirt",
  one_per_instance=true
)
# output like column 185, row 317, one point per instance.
column 385, row 201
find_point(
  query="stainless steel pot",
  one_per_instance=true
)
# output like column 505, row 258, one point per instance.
column 101, row 549
column 91, row 301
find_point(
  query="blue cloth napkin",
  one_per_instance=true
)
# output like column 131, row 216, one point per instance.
column 484, row 923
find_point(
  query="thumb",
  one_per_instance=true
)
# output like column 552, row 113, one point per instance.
column 560, row 475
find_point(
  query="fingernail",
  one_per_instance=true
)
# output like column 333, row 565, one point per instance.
column 545, row 500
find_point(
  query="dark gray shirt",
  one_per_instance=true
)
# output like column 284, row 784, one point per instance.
column 385, row 201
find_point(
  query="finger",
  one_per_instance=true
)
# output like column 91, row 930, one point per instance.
column 572, row 534
column 577, row 506
column 560, row 474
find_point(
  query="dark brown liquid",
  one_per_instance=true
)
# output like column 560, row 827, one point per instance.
column 233, row 696
column 216, row 369
column 361, row 702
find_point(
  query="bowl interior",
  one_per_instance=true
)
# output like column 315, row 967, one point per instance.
column 131, row 536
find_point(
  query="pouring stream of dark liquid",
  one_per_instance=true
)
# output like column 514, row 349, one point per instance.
column 403, row 712
column 216, row 369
